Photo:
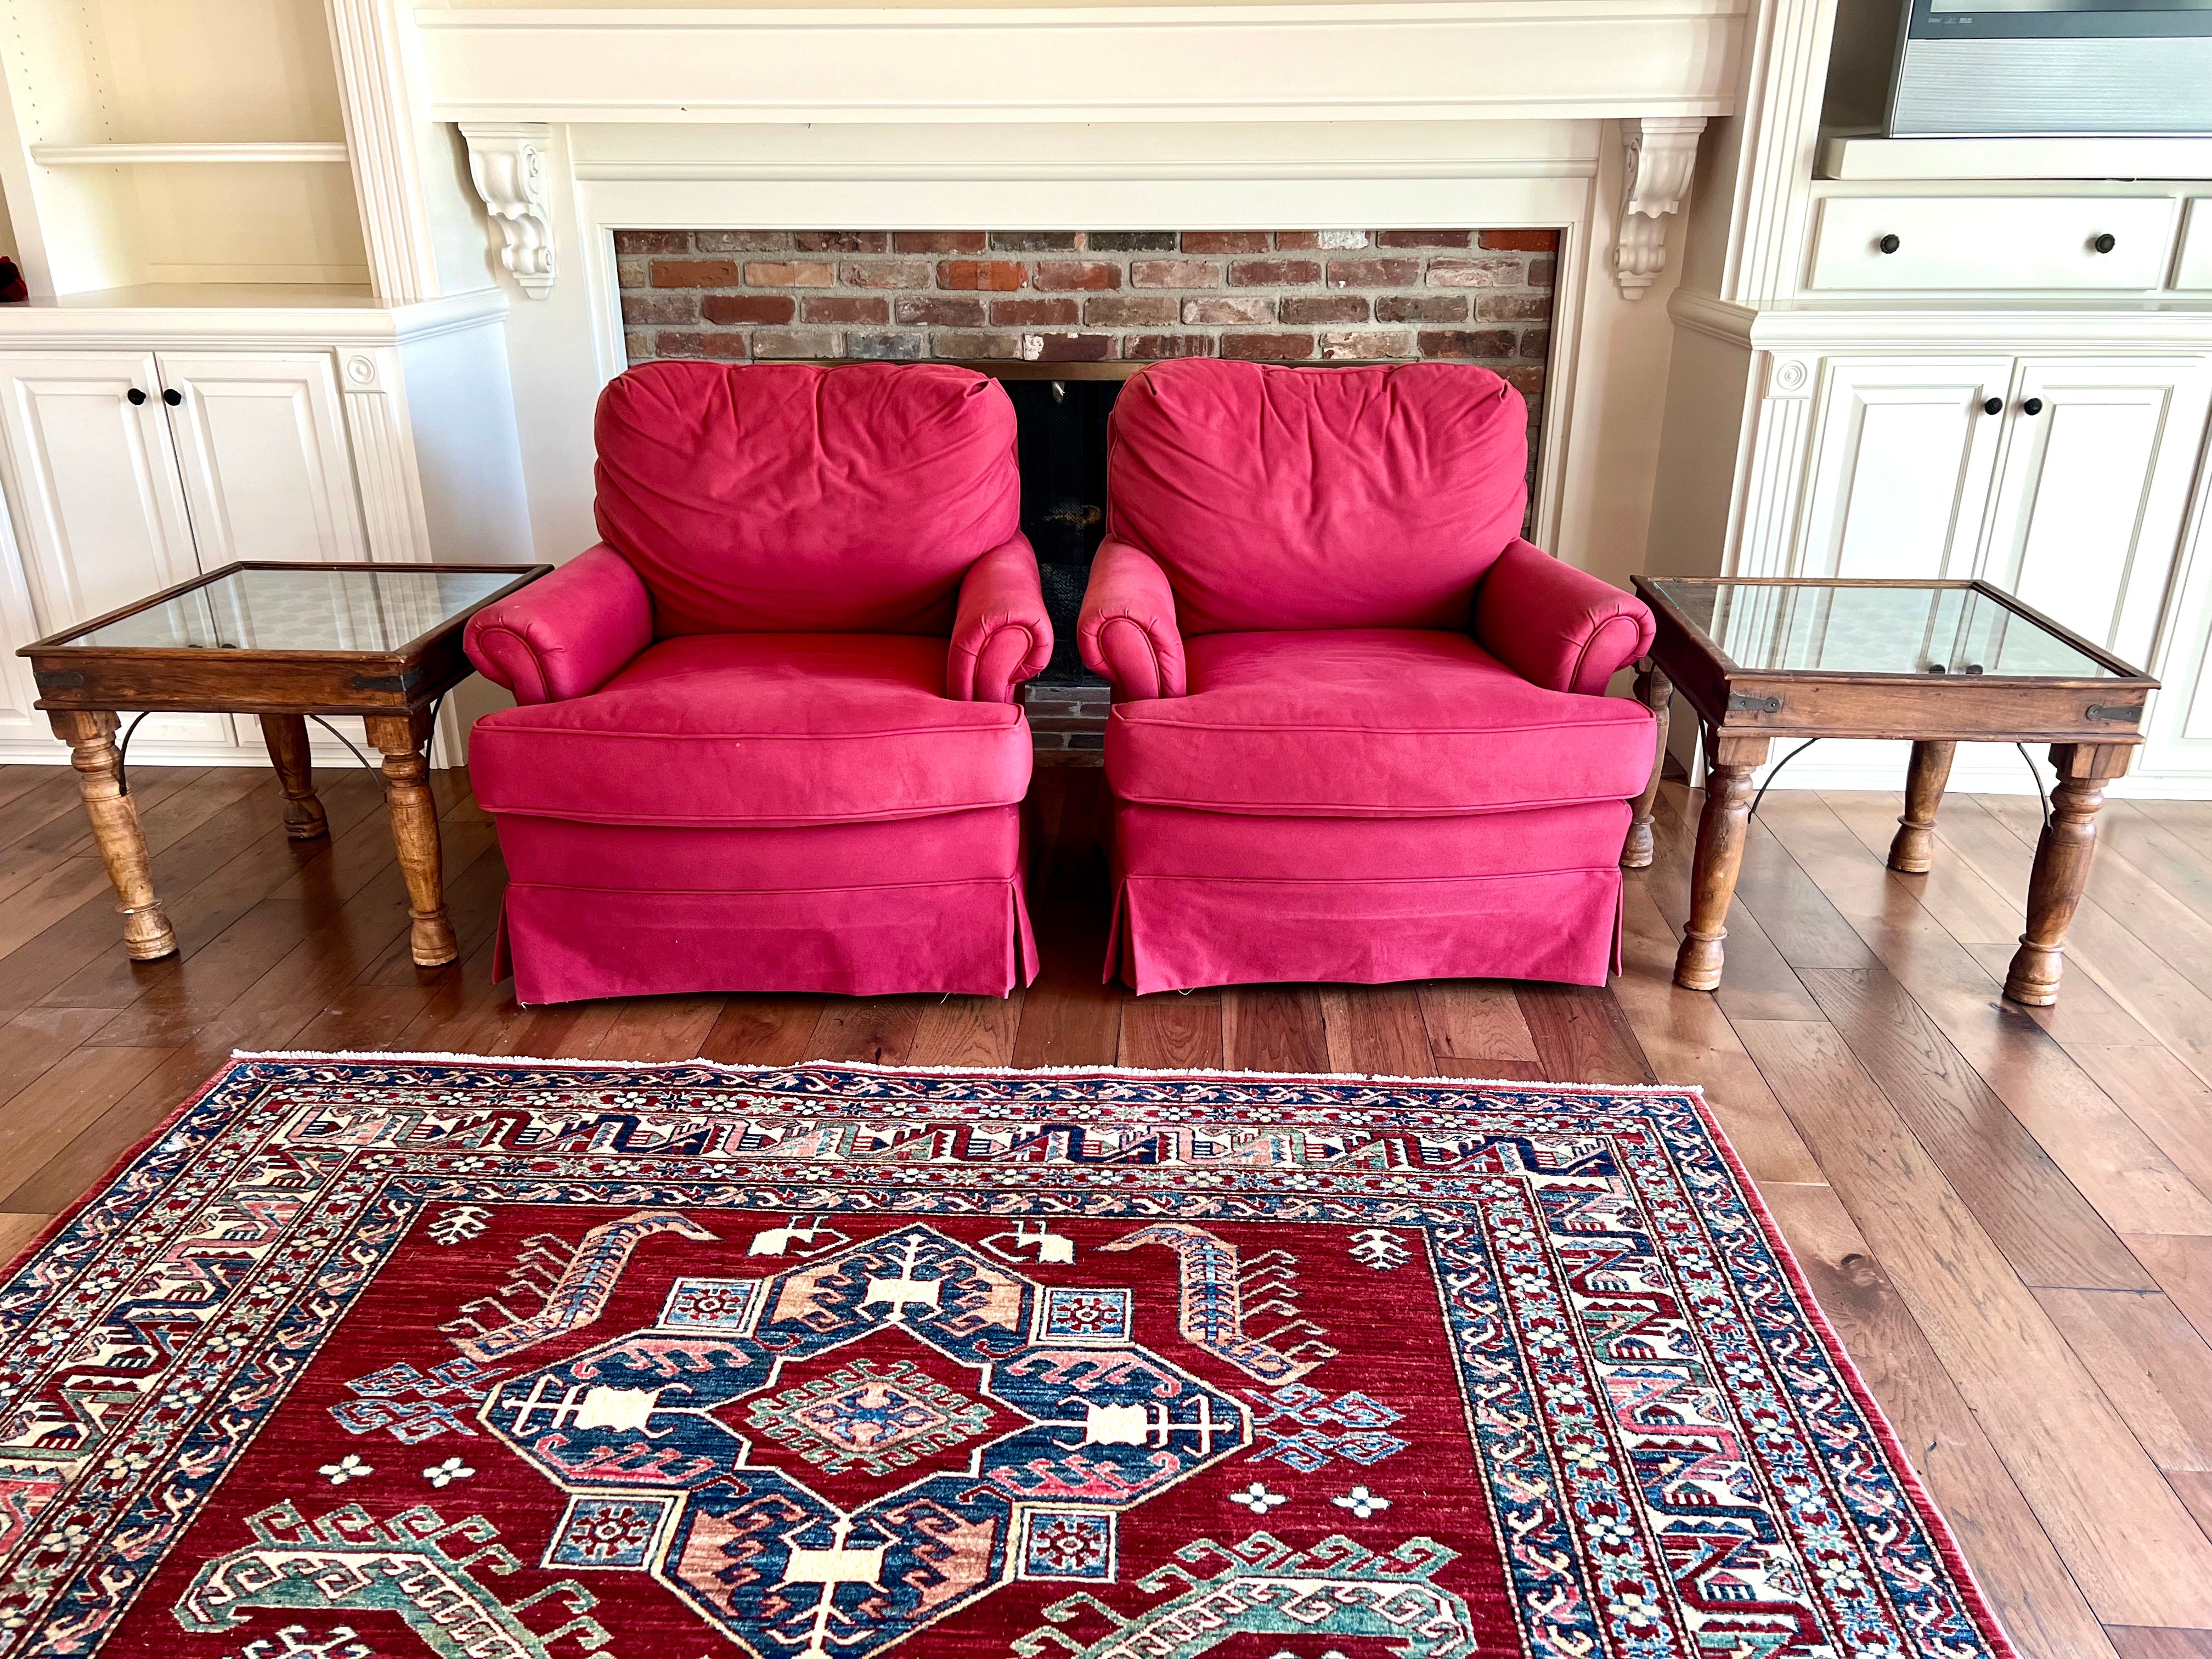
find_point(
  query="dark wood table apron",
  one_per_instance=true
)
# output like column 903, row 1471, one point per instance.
column 2094, row 726
column 82, row 687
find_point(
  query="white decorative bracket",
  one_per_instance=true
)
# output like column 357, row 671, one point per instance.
column 507, row 160
column 1662, row 152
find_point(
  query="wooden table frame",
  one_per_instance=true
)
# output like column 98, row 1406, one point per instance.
column 82, row 687
column 2093, row 725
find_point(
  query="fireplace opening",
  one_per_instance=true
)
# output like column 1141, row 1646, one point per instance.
column 1063, row 317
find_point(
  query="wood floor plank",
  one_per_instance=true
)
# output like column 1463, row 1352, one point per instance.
column 1172, row 1031
column 2162, row 1097
column 1496, row 1070
column 1954, row 892
column 1375, row 1030
column 2087, row 1013
column 18, row 1229
column 1071, row 1016
column 1273, row 1028
column 659, row 1028
column 880, row 1030
column 968, row 1031
column 40, row 1122
column 2036, row 1598
column 1581, row 1035
column 756, row 1030
column 2151, row 1365
column 1758, row 984
column 1474, row 1019
column 2182, row 1265
column 77, row 1166
column 2147, row 1641
column 2138, row 1554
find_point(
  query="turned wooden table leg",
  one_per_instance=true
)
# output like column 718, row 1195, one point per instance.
column 414, row 832
column 287, row 737
column 1722, row 830
column 1656, row 692
column 2061, row 873
column 1914, row 849
column 91, row 737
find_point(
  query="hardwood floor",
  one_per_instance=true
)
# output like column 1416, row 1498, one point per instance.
column 2008, row 1215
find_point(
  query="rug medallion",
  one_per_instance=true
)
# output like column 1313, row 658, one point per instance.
column 374, row 1356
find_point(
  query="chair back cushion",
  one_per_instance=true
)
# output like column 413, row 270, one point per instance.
column 1294, row 498
column 783, row 498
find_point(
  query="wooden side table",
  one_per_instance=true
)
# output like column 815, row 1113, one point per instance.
column 282, row 642
column 1940, row 663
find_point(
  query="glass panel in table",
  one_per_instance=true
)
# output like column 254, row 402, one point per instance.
column 1858, row 628
column 370, row 608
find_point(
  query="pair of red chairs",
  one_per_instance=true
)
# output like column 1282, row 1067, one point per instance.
column 767, row 735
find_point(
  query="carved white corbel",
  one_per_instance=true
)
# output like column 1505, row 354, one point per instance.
column 1662, row 151
column 507, row 160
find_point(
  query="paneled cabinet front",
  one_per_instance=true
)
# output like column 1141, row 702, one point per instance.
column 129, row 472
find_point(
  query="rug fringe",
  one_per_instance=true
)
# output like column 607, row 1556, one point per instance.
column 963, row 1071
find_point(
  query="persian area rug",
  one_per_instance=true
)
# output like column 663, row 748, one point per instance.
column 365, row 1356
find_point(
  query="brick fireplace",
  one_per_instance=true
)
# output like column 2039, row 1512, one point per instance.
column 1063, row 316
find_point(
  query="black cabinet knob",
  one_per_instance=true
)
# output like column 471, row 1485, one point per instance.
column 172, row 396
column 1994, row 406
column 2106, row 243
column 2032, row 406
column 1889, row 244
column 136, row 395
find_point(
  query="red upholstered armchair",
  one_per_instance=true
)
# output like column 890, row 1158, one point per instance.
column 1358, row 730
column 767, row 737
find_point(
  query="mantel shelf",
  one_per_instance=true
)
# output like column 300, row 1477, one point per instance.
column 108, row 156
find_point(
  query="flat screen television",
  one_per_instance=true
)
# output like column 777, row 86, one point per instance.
column 2032, row 68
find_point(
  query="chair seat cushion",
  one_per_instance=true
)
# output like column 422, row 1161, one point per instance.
column 1371, row 723
column 757, row 729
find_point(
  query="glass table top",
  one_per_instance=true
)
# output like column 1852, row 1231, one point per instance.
column 1852, row 628
column 370, row 608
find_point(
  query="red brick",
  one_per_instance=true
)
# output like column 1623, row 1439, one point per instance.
column 842, row 242
column 889, row 273
column 1036, row 241
column 1421, row 308
column 1268, row 348
column 1218, row 313
column 1062, row 276
column 845, row 308
column 1323, row 308
column 1477, row 272
column 1512, row 307
column 1320, row 239
column 791, row 273
column 1537, row 344
column 941, row 309
column 1528, row 382
column 939, row 242
column 1298, row 240
column 1175, row 273
column 1130, row 310
column 740, row 241
column 960, row 343
column 1542, row 273
column 653, row 241
column 694, row 273
column 1522, row 241
column 677, row 306
column 1424, row 239
column 1068, row 348
column 1468, row 343
column 1032, row 313
column 796, row 342
column 900, row 348
column 1151, row 347
column 1367, row 344
column 1373, row 273
column 1130, row 242
column 637, row 346
column 1225, row 242
column 723, row 347
column 996, row 274
column 749, row 307
column 1274, row 273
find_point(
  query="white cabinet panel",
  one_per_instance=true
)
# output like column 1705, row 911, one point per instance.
column 1901, row 473
column 99, row 517
column 1936, row 243
column 2094, row 488
column 260, row 440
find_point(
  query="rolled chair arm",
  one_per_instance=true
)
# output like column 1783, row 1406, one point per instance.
column 1001, row 635
column 1555, row 625
column 1127, row 629
column 566, row 634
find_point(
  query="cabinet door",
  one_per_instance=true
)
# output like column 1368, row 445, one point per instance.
column 1902, row 469
column 260, row 440
column 99, row 519
column 2095, row 484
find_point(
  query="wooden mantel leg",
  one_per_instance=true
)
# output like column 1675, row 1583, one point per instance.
column 91, row 737
column 414, row 832
column 1721, row 831
column 1913, row 851
column 287, row 737
column 2061, row 873
column 1656, row 692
